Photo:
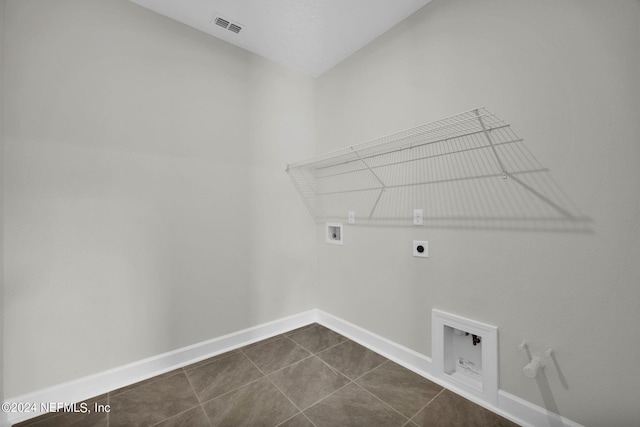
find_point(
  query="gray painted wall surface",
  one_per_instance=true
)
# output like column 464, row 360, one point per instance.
column 147, row 207
column 565, row 75
column 2, row 26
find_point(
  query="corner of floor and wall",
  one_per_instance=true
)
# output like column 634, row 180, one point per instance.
column 145, row 204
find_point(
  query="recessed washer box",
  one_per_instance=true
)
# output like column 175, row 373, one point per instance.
column 333, row 233
column 465, row 354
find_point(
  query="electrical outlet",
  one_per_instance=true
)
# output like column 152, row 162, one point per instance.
column 418, row 217
column 421, row 248
column 352, row 217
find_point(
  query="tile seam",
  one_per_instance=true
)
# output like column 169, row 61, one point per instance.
column 286, row 366
column 385, row 403
column 427, row 404
column 178, row 414
column 278, row 388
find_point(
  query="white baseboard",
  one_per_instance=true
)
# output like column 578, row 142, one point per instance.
column 404, row 356
column 103, row 382
column 533, row 415
column 509, row 406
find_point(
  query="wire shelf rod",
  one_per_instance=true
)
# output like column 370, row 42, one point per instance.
column 542, row 197
column 306, row 202
column 373, row 209
column 419, row 158
column 468, row 218
column 402, row 148
column 425, row 129
column 372, row 172
column 486, row 134
column 438, row 181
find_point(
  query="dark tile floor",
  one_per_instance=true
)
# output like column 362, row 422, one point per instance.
column 310, row 376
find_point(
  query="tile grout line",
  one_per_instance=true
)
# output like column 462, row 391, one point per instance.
column 186, row 410
column 327, row 396
column 292, row 402
column 294, row 363
column 202, row 363
column 335, row 345
column 148, row 381
column 387, row 360
column 196, row 394
column 180, row 413
column 427, row 404
column 239, row 387
column 308, row 419
column 311, row 355
column 299, row 345
column 303, row 329
column 260, row 343
column 409, row 419
column 109, row 411
column 309, row 350
column 231, row 391
column 299, row 413
column 371, row 370
column 384, row 403
column 334, row 370
column 192, row 388
column 324, row 349
column 278, row 388
column 303, row 360
column 291, row 364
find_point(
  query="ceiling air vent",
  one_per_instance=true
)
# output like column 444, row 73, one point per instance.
column 221, row 22
column 225, row 23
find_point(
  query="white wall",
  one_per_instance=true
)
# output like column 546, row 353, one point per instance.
column 565, row 75
column 147, row 206
column 282, row 240
column 2, row 7
column 135, row 219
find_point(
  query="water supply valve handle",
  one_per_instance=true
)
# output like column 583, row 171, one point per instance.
column 536, row 365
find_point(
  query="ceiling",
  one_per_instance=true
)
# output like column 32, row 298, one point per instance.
column 311, row 36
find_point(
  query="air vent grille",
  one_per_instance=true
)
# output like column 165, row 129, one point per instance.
column 222, row 22
column 227, row 24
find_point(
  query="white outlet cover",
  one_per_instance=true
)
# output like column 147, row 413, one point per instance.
column 351, row 217
column 418, row 217
column 425, row 246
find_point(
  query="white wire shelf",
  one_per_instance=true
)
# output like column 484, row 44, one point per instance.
column 465, row 170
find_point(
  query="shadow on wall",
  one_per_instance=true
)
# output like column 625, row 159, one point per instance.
column 549, row 364
column 467, row 171
column 523, row 197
